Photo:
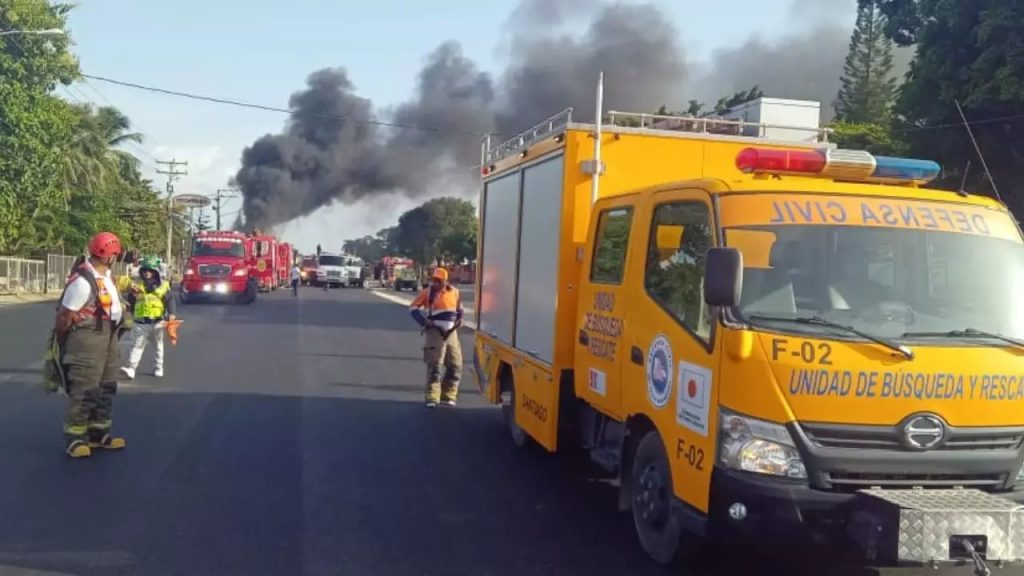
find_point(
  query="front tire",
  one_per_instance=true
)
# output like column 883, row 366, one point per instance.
column 657, row 527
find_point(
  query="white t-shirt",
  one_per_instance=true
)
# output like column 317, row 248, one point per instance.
column 79, row 293
column 296, row 274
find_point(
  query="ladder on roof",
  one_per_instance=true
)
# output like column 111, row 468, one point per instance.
column 642, row 121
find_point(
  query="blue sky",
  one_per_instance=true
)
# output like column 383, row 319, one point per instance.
column 261, row 51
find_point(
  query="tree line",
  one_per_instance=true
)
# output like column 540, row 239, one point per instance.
column 442, row 230
column 965, row 52
column 64, row 170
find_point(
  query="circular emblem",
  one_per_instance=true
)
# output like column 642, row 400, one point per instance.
column 659, row 371
column 261, row 265
column 923, row 432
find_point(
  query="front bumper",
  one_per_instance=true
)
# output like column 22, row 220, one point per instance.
column 913, row 526
column 213, row 287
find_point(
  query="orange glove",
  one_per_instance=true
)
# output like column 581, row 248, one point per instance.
column 172, row 330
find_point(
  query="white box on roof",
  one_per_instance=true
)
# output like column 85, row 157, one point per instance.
column 791, row 120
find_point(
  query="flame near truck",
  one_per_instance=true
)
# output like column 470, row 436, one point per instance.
column 759, row 335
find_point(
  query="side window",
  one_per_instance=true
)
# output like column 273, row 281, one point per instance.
column 680, row 237
column 610, row 245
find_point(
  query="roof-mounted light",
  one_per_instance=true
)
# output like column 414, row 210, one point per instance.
column 838, row 164
column 773, row 160
column 904, row 169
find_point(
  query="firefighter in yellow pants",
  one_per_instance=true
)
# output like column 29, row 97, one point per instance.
column 438, row 309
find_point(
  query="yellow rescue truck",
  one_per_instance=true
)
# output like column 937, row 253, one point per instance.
column 759, row 336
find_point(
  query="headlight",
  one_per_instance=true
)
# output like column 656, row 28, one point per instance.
column 1020, row 476
column 189, row 272
column 241, row 272
column 757, row 446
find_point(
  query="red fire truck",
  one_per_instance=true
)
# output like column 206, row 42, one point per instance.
column 265, row 253
column 387, row 268
column 220, row 267
column 285, row 259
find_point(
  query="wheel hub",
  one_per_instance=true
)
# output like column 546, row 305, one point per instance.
column 651, row 496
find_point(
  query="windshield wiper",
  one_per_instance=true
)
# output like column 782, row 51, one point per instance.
column 905, row 351
column 968, row 333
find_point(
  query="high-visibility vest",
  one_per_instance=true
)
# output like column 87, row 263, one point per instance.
column 150, row 305
column 443, row 310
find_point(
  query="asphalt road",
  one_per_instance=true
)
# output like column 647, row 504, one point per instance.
column 289, row 437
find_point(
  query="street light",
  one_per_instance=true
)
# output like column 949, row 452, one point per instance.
column 48, row 32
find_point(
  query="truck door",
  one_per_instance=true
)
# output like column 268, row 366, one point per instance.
column 669, row 368
column 600, row 350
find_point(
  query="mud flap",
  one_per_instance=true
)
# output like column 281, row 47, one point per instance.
column 925, row 526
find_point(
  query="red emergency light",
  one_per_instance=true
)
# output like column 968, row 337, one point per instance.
column 772, row 160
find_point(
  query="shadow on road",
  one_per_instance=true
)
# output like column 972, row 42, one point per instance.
column 252, row 484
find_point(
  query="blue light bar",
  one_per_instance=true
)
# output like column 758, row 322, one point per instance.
column 905, row 169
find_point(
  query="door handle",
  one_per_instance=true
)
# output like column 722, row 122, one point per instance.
column 636, row 355
column 584, row 338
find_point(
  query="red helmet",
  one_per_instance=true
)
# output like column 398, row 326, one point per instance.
column 105, row 245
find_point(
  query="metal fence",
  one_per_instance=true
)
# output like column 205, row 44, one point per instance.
column 29, row 276
column 21, row 275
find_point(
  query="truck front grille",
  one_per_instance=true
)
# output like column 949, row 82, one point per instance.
column 889, row 438
column 849, row 481
column 214, row 270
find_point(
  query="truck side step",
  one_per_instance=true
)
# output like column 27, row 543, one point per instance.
column 606, row 458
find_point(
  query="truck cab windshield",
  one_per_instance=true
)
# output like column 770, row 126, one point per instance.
column 887, row 282
column 226, row 248
column 332, row 261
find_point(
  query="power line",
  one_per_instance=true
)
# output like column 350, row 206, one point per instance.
column 280, row 110
column 994, row 120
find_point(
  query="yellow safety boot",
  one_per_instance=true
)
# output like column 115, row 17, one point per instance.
column 79, row 449
column 108, row 442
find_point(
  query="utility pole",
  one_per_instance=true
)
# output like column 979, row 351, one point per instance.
column 219, row 198
column 172, row 173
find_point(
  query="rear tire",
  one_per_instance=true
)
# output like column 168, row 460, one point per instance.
column 508, row 411
column 657, row 527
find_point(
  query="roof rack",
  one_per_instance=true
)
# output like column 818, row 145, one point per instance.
column 558, row 124
column 707, row 125
column 552, row 126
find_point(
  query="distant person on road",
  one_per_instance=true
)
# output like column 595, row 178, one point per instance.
column 296, row 275
column 86, row 327
column 438, row 309
column 152, row 304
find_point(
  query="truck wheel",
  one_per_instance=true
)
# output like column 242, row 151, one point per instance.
column 657, row 527
column 508, row 410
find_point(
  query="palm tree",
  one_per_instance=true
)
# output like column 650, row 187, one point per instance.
column 115, row 128
column 92, row 160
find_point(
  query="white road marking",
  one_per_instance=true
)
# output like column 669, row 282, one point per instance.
column 406, row 301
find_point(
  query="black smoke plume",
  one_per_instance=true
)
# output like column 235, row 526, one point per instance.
column 338, row 148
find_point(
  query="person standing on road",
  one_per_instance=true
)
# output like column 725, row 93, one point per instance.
column 86, row 329
column 438, row 309
column 296, row 274
column 152, row 304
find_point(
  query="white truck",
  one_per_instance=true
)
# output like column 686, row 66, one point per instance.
column 353, row 271
column 331, row 270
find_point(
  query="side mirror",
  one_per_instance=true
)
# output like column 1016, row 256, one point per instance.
column 723, row 277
